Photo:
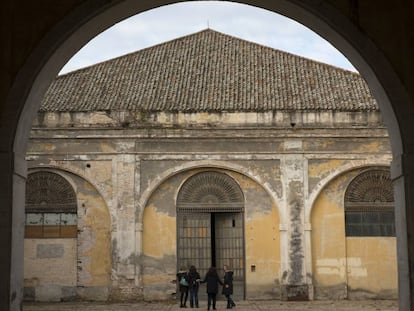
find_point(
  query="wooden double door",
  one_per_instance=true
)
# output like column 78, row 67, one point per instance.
column 216, row 239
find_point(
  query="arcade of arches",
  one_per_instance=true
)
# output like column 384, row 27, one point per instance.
column 38, row 38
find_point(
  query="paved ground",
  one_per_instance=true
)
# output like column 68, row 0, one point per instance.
column 344, row 305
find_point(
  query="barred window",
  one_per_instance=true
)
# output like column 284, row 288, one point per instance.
column 51, row 207
column 369, row 205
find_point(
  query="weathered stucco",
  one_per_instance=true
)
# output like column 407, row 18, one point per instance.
column 50, row 266
column 261, row 239
column 84, row 268
column 128, row 169
column 348, row 267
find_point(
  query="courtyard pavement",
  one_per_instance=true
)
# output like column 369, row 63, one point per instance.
column 252, row 305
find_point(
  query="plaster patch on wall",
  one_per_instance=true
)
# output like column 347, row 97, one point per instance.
column 49, row 251
column 341, row 266
column 332, row 266
column 293, row 145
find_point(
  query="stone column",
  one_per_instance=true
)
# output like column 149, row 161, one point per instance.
column 123, row 236
column 402, row 174
column 308, row 259
column 294, row 281
column 13, row 176
column 138, row 226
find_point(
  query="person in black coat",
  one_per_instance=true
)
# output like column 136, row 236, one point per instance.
column 182, row 277
column 228, row 287
column 212, row 281
column 194, row 284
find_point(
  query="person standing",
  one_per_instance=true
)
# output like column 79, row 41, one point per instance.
column 194, row 284
column 182, row 277
column 228, row 287
column 212, row 281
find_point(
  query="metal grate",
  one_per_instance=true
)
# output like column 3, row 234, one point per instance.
column 369, row 205
column 49, row 192
column 210, row 192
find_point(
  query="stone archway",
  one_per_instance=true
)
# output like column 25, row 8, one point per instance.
column 351, row 228
column 351, row 30
column 210, row 225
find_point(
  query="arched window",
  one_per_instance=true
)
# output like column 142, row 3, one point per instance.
column 51, row 207
column 210, row 192
column 369, row 205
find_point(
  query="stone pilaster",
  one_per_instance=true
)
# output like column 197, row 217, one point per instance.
column 123, row 243
column 294, row 285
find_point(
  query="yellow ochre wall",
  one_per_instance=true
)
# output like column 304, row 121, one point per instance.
column 262, row 242
column 372, row 266
column 56, row 265
column 94, row 252
column 348, row 267
column 72, row 268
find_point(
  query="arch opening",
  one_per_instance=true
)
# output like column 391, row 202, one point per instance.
column 210, row 225
column 365, row 66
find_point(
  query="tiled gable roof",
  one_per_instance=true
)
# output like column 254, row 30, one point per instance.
column 209, row 71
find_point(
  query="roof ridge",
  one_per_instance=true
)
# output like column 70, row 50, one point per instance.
column 209, row 71
column 198, row 33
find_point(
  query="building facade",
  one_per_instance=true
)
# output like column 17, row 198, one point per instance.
column 209, row 150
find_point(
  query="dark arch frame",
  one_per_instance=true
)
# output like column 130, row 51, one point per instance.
column 93, row 16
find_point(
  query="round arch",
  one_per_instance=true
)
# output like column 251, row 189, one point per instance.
column 74, row 171
column 49, row 190
column 92, row 17
column 210, row 191
column 334, row 174
column 146, row 194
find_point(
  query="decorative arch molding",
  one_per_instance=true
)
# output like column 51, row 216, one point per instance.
column 325, row 181
column 210, row 191
column 54, row 170
column 47, row 191
column 373, row 186
column 146, row 194
column 369, row 204
column 58, row 169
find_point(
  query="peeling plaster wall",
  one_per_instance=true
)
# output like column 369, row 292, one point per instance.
column 137, row 162
column 71, row 269
column 94, row 248
column 261, row 240
column 348, row 267
column 49, row 268
column 159, row 245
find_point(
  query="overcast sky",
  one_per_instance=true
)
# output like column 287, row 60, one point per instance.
column 177, row 20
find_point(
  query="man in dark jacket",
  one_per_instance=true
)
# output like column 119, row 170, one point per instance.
column 212, row 281
column 228, row 287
